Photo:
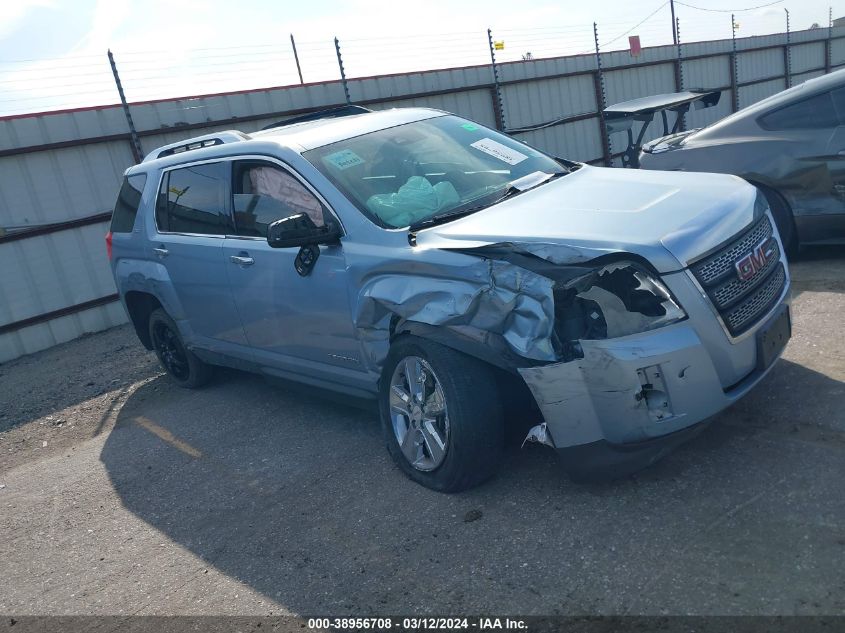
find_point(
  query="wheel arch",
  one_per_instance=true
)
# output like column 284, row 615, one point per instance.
column 782, row 212
column 140, row 305
column 484, row 348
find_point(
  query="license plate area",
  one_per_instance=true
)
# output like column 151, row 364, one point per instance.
column 773, row 337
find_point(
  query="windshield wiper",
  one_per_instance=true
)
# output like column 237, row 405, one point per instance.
column 454, row 214
column 509, row 192
column 440, row 218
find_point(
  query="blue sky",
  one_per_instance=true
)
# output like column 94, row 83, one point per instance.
column 53, row 52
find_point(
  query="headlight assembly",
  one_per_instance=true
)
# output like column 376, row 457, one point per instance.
column 615, row 300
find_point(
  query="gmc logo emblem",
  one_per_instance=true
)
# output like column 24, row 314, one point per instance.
column 755, row 261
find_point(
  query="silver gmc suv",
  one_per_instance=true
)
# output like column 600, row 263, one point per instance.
column 461, row 278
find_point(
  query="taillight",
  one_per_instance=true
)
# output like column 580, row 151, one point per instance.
column 108, row 244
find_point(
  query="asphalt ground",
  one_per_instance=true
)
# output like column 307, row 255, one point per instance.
column 123, row 494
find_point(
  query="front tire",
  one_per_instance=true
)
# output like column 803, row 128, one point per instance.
column 441, row 416
column 183, row 367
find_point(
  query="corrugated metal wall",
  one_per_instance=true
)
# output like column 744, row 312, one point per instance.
column 66, row 167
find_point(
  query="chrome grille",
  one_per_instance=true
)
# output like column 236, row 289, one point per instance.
column 729, row 291
column 742, row 302
column 758, row 303
column 717, row 265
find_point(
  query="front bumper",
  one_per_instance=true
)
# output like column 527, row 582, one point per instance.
column 631, row 400
column 603, row 461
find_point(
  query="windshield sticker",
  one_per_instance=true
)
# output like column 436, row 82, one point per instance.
column 344, row 159
column 470, row 127
column 502, row 152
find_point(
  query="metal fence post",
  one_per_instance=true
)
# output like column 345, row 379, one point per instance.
column 342, row 71
column 601, row 101
column 734, row 67
column 787, row 54
column 828, row 41
column 674, row 24
column 679, row 71
column 296, row 58
column 499, row 101
column 134, row 141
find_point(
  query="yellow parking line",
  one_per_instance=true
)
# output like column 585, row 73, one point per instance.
column 165, row 435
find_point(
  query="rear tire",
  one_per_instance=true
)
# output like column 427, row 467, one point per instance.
column 440, row 414
column 183, row 367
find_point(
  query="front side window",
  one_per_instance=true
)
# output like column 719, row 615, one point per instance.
column 194, row 200
column 817, row 112
column 263, row 193
column 402, row 175
column 128, row 201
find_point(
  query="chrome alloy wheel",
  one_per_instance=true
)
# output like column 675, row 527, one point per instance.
column 418, row 413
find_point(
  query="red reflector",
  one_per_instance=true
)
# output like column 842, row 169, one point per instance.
column 108, row 244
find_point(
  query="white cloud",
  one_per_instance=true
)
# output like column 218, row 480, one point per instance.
column 13, row 12
column 108, row 17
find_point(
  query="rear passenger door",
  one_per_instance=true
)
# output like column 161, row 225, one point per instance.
column 192, row 216
column 295, row 324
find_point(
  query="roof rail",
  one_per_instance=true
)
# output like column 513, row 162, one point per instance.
column 198, row 142
column 331, row 113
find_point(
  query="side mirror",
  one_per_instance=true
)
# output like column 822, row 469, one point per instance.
column 299, row 230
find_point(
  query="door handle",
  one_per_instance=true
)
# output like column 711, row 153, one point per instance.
column 242, row 260
column 161, row 251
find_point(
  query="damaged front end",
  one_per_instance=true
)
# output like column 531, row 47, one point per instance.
column 614, row 300
column 610, row 388
column 591, row 339
column 633, row 379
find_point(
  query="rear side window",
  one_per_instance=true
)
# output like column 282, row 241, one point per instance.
column 128, row 201
column 814, row 113
column 193, row 200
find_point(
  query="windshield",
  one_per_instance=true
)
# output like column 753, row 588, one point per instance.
column 410, row 173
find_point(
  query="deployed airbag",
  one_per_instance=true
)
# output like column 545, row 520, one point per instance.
column 416, row 199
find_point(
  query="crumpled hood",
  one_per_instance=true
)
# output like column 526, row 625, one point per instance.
column 669, row 218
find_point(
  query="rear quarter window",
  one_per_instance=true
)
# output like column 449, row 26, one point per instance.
column 128, row 201
column 817, row 112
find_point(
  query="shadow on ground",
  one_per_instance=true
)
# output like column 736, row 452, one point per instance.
column 819, row 269
column 68, row 375
column 296, row 497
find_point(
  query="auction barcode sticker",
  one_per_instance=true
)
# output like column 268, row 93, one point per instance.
column 502, row 152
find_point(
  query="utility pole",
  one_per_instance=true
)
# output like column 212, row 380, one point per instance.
column 674, row 23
